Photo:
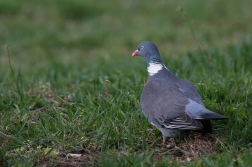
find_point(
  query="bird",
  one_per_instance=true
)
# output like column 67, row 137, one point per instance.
column 170, row 103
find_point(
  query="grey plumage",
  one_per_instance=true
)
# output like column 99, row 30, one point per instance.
column 171, row 104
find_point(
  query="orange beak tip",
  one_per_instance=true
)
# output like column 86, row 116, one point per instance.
column 135, row 53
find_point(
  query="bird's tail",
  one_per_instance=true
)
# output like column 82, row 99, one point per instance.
column 209, row 115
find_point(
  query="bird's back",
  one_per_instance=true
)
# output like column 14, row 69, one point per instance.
column 183, row 85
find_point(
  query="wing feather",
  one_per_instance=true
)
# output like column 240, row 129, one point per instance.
column 182, row 122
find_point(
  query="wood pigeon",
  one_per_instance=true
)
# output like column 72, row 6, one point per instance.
column 171, row 104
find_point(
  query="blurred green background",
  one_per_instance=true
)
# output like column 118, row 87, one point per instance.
column 88, row 33
column 74, row 87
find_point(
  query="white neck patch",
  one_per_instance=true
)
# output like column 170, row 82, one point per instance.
column 154, row 68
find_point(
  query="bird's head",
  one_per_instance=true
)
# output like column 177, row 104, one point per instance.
column 147, row 50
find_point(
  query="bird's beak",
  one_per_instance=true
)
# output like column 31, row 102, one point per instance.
column 135, row 53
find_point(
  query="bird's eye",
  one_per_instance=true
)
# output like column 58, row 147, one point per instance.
column 142, row 47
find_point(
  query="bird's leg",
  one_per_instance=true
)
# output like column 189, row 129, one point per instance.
column 164, row 139
column 185, row 135
column 173, row 144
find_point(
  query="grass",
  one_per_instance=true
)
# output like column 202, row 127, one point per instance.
column 68, row 85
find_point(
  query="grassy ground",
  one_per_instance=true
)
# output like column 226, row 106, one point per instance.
column 70, row 92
